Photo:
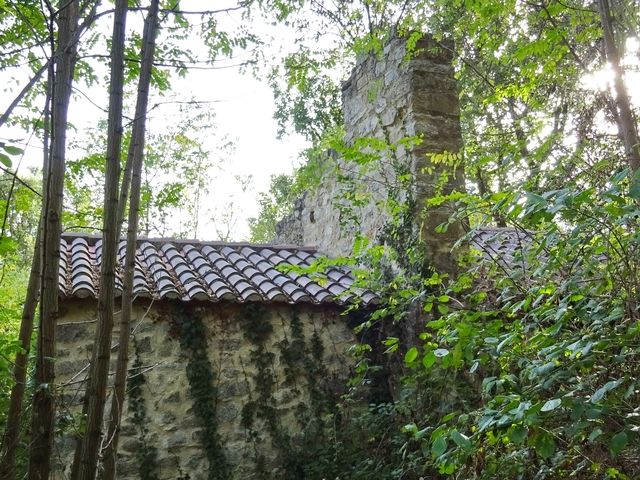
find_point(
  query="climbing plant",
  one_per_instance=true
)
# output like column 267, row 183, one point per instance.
column 298, row 454
column 257, row 329
column 202, row 390
column 146, row 453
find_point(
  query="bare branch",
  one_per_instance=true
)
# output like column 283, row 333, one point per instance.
column 19, row 180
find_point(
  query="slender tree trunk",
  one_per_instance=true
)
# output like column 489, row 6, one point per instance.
column 124, row 192
column 42, row 425
column 627, row 123
column 135, row 159
column 20, row 367
column 98, row 379
column 99, row 372
column 12, row 430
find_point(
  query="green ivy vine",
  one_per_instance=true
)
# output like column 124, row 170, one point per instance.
column 203, row 392
column 301, row 359
column 257, row 329
column 147, row 453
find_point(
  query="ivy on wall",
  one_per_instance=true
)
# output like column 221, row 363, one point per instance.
column 147, row 453
column 257, row 329
column 202, row 390
column 305, row 374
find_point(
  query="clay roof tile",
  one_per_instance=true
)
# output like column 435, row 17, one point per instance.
column 194, row 270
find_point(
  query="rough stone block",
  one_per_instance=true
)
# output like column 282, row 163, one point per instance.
column 72, row 332
column 70, row 367
column 174, row 397
column 144, row 345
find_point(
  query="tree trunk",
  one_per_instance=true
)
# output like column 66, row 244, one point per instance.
column 627, row 124
column 98, row 380
column 135, row 159
column 12, row 430
column 42, row 425
column 99, row 372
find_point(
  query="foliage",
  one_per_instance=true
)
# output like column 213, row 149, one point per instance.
column 146, row 453
column 177, row 174
column 276, row 204
column 257, row 329
column 19, row 212
column 304, row 80
column 19, row 208
column 306, row 452
column 525, row 369
column 520, row 370
column 19, row 218
column 519, row 373
column 11, row 290
column 530, row 78
column 550, row 347
column 203, row 392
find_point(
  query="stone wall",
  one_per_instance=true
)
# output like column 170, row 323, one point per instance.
column 173, row 428
column 392, row 96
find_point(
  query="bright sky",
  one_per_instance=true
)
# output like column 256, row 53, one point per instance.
column 244, row 111
column 243, row 107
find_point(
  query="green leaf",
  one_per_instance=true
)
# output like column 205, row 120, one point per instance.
column 410, row 428
column 439, row 446
column 535, row 199
column 411, row 355
column 428, row 360
column 11, row 150
column 595, row 434
column 435, row 323
column 551, row 405
column 391, row 343
column 7, row 245
column 461, row 440
column 618, row 442
column 634, row 188
column 485, row 422
column 602, row 391
column 544, row 445
column 518, row 433
column 5, row 160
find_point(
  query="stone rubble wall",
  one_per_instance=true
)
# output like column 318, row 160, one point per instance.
column 173, row 428
column 391, row 96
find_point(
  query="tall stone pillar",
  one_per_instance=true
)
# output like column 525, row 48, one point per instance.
column 395, row 95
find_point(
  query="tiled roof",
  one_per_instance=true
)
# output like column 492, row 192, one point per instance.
column 211, row 271
column 506, row 246
column 241, row 272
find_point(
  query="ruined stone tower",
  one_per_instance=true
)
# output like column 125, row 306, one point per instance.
column 393, row 96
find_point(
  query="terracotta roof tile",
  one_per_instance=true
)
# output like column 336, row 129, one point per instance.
column 240, row 272
column 506, row 246
column 211, row 271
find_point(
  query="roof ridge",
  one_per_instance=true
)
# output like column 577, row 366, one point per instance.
column 188, row 241
column 500, row 229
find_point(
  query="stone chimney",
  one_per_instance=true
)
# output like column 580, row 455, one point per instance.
column 393, row 96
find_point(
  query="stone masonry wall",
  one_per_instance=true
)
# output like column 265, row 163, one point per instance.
column 173, row 429
column 390, row 96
